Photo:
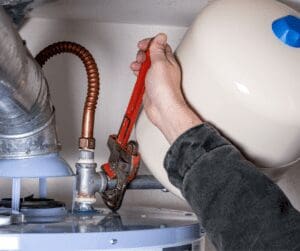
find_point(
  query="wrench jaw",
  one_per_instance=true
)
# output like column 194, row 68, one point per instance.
column 113, row 198
column 123, row 166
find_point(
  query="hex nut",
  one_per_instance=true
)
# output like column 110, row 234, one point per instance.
column 87, row 143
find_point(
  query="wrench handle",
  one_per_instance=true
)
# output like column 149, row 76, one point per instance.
column 134, row 104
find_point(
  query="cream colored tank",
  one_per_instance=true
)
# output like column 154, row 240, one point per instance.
column 241, row 78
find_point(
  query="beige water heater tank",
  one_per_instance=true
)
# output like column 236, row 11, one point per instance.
column 243, row 78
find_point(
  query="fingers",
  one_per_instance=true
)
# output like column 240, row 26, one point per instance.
column 135, row 66
column 144, row 44
column 158, row 47
column 169, row 54
column 159, row 50
column 140, row 56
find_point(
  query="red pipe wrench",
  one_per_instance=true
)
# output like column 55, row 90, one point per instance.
column 124, row 157
column 135, row 103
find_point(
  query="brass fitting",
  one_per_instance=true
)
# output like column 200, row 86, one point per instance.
column 87, row 143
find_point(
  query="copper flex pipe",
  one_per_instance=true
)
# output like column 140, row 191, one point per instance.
column 86, row 141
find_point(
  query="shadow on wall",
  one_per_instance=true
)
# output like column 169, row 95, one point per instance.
column 59, row 76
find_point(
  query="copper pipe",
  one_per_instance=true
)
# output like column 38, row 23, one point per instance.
column 86, row 140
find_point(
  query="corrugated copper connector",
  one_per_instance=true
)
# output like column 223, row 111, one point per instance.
column 86, row 141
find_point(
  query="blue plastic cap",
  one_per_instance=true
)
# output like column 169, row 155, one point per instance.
column 287, row 29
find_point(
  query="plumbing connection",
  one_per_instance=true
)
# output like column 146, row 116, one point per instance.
column 28, row 136
column 116, row 175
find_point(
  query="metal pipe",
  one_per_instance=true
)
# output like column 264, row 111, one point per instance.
column 86, row 140
column 141, row 182
column 88, row 181
column 16, row 195
column 27, row 123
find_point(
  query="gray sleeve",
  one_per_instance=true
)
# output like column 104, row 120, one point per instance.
column 239, row 207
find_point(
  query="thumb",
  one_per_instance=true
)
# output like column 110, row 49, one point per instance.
column 158, row 47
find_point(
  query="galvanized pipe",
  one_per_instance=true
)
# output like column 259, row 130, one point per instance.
column 141, row 182
column 27, row 123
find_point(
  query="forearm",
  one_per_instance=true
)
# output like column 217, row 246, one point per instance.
column 176, row 120
column 239, row 207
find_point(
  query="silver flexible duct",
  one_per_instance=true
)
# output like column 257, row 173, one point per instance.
column 27, row 124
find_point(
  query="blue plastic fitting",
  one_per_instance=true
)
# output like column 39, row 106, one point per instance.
column 287, row 29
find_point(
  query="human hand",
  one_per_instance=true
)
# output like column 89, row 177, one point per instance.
column 164, row 103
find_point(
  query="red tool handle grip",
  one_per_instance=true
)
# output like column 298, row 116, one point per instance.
column 134, row 104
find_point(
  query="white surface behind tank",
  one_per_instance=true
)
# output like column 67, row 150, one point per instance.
column 160, row 12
